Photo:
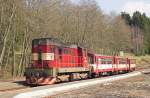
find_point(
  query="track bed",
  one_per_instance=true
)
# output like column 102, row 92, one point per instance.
column 114, row 88
column 135, row 87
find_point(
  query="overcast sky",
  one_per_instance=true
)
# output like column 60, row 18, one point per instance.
column 125, row 5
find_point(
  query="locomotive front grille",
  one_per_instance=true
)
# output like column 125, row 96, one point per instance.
column 34, row 72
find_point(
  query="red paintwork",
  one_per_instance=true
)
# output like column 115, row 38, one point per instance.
column 103, row 70
column 126, row 62
column 75, row 57
column 116, row 64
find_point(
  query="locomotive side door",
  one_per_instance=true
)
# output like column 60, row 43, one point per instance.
column 59, row 56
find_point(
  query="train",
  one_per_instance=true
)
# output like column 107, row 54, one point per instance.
column 52, row 58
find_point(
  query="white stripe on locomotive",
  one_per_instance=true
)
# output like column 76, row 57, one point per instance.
column 45, row 56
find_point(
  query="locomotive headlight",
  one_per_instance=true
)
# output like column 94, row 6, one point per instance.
column 34, row 56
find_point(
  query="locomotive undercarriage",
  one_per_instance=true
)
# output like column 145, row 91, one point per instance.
column 36, row 76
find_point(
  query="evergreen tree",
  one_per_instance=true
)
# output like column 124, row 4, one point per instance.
column 140, row 27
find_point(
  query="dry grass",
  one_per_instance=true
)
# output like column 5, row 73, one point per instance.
column 141, row 61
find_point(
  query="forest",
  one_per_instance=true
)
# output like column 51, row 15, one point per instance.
column 83, row 24
column 140, row 28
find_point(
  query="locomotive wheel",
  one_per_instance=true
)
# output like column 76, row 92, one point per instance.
column 33, row 80
column 89, row 75
column 100, row 74
column 71, row 77
column 93, row 75
column 116, row 72
column 110, row 73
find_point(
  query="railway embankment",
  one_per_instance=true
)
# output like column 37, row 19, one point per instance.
column 134, row 87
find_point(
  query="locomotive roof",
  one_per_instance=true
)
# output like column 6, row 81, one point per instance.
column 50, row 39
column 53, row 41
column 103, row 55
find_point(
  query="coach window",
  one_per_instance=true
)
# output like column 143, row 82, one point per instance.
column 122, row 61
column 99, row 60
column 103, row 61
column 106, row 61
column 109, row 61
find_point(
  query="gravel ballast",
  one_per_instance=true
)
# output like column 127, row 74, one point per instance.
column 135, row 87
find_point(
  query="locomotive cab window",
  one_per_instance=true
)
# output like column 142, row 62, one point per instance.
column 52, row 49
column 35, row 43
column 39, row 56
column 42, row 42
column 66, row 51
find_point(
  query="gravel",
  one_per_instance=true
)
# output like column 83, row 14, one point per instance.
column 135, row 87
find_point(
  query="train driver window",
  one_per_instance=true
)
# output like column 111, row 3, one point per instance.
column 66, row 51
column 39, row 56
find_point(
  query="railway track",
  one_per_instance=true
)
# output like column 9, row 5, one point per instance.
column 146, row 71
column 13, row 89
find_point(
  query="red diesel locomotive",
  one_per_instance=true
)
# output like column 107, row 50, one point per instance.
column 52, row 59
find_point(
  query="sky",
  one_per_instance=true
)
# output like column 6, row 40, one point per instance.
column 129, row 6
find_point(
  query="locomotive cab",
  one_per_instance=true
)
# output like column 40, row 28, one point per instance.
column 41, row 70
